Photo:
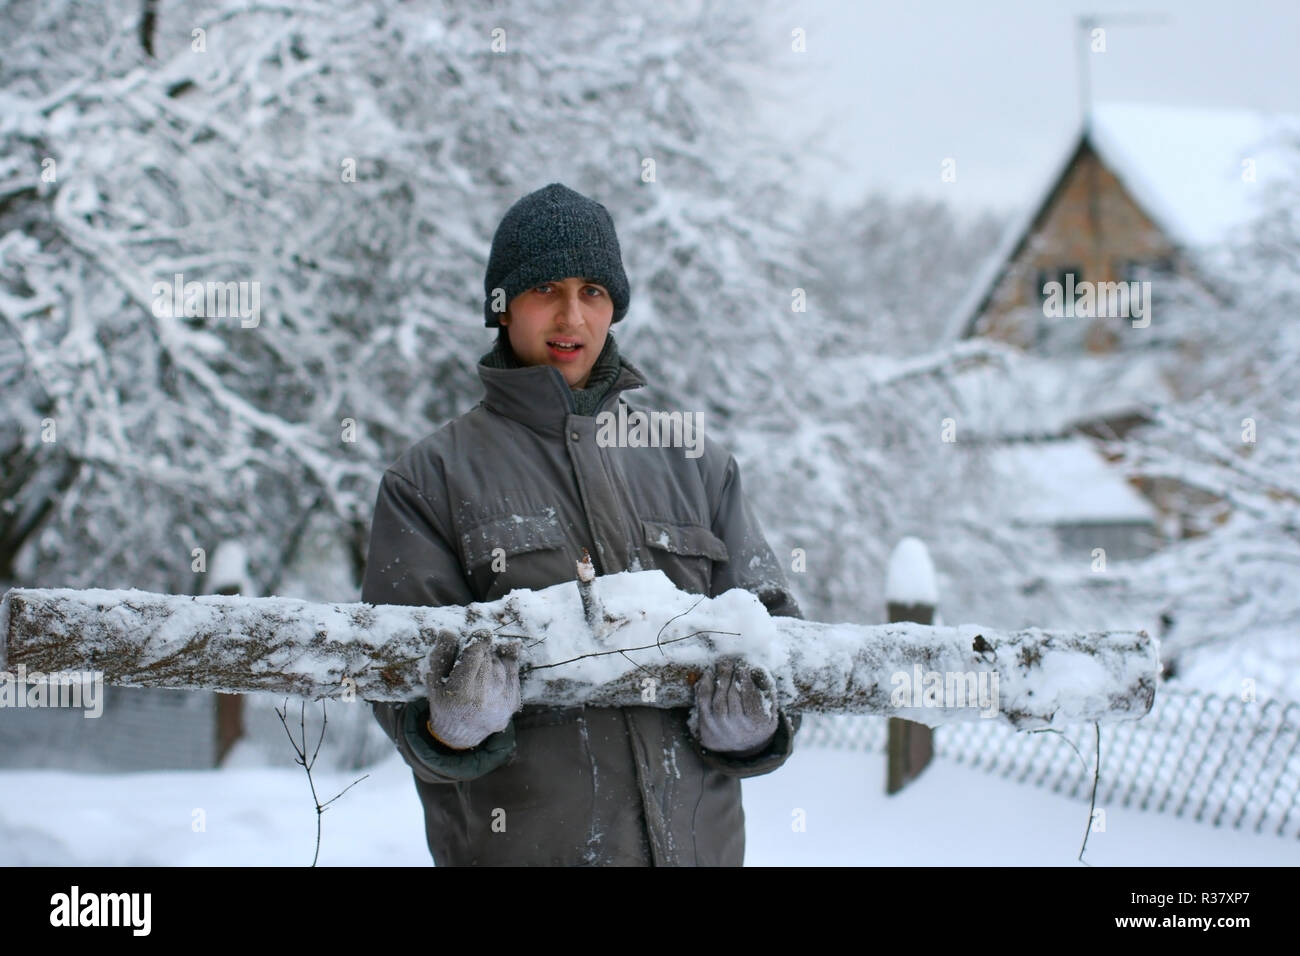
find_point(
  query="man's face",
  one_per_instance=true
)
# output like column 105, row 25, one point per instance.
column 561, row 323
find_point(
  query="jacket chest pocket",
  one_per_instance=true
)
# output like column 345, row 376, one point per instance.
column 685, row 553
column 516, row 551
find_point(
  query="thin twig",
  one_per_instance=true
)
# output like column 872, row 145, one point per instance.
column 634, row 663
column 1053, row 730
column 300, row 758
column 324, row 721
column 620, row 650
column 341, row 792
column 673, row 618
column 1096, row 776
column 1092, row 803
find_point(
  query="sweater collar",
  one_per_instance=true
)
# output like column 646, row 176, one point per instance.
column 538, row 395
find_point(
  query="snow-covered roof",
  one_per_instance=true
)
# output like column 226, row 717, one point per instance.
column 981, row 287
column 1183, row 166
column 1030, row 396
column 1067, row 482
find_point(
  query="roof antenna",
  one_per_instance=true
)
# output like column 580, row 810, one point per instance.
column 1090, row 29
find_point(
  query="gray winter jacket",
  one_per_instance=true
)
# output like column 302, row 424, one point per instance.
column 580, row 786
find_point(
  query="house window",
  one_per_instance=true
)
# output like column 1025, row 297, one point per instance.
column 1068, row 276
column 1135, row 270
column 1159, row 271
column 1058, row 274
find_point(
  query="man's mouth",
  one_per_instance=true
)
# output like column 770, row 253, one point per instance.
column 563, row 348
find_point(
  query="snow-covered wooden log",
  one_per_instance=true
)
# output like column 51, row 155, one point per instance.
column 656, row 641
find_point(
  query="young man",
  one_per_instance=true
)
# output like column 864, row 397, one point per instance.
column 520, row 482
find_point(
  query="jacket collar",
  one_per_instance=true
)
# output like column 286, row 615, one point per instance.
column 539, row 397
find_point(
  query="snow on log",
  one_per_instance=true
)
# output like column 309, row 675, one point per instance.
column 656, row 642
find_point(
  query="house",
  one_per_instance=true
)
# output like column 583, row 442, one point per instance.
column 1140, row 193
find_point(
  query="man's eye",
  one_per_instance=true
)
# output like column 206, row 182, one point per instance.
column 545, row 287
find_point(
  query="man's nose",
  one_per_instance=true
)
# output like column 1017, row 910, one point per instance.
column 571, row 310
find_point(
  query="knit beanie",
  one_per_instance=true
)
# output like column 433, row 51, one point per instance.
column 549, row 235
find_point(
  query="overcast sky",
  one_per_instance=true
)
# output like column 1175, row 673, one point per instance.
column 896, row 87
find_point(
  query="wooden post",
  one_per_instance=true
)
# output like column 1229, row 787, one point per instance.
column 229, row 576
column 911, row 745
column 230, row 723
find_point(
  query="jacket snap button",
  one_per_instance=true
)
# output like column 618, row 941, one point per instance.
column 573, row 435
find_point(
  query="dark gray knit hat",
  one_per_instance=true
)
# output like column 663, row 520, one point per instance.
column 549, row 235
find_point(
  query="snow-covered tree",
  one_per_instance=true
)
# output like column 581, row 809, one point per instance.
column 887, row 273
column 349, row 163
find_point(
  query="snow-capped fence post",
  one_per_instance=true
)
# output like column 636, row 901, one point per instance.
column 651, row 630
column 911, row 595
column 229, row 576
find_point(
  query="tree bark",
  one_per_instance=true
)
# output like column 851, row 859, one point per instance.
column 656, row 642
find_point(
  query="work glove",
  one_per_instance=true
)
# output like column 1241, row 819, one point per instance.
column 473, row 692
column 735, row 708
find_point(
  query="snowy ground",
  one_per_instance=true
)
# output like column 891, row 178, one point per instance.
column 263, row 816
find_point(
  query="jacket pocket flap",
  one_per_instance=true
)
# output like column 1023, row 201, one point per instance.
column 689, row 539
column 514, row 534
